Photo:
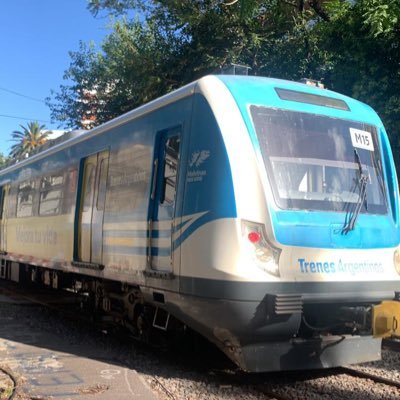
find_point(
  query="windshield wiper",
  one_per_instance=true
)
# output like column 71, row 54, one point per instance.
column 379, row 174
column 351, row 216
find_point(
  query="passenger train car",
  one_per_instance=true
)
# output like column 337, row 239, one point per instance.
column 261, row 213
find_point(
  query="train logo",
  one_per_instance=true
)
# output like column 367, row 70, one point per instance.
column 198, row 158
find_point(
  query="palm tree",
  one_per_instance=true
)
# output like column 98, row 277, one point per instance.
column 30, row 137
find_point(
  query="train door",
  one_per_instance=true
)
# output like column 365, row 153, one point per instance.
column 165, row 180
column 90, row 229
column 4, row 192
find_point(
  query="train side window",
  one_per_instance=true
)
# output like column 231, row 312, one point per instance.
column 2, row 194
column 12, row 202
column 101, row 197
column 51, row 194
column 72, row 180
column 89, row 178
column 170, row 169
column 26, row 191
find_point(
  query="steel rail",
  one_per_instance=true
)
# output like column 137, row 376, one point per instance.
column 391, row 344
column 366, row 375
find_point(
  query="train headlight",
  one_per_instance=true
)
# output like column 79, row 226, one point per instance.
column 396, row 260
column 265, row 255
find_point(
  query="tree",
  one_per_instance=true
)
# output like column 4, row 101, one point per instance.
column 179, row 41
column 363, row 43
column 30, row 137
column 353, row 45
column 133, row 66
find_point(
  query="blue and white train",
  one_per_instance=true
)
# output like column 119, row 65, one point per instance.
column 261, row 213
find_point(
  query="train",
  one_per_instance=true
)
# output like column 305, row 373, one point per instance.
column 260, row 213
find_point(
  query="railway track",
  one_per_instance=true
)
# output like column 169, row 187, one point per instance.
column 38, row 295
column 365, row 375
column 68, row 303
column 391, row 344
column 273, row 386
column 307, row 386
column 274, row 395
column 318, row 384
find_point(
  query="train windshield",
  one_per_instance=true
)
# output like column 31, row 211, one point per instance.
column 316, row 162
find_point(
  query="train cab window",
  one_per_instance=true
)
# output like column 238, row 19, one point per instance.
column 51, row 194
column 314, row 162
column 26, row 191
column 170, row 169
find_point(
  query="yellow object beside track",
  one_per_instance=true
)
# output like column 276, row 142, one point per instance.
column 386, row 319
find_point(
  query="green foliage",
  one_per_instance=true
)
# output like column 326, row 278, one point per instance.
column 382, row 17
column 123, row 75
column 353, row 45
column 114, row 7
column 30, row 137
column 365, row 60
column 181, row 40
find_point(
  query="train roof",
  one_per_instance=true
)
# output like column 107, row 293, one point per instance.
column 265, row 91
column 245, row 89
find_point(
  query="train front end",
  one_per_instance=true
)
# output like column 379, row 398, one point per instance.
column 309, row 275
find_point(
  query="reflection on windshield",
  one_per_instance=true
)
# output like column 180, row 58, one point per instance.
column 310, row 160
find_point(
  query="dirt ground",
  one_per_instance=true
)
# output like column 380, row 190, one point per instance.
column 6, row 386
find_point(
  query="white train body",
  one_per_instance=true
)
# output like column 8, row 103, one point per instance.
column 263, row 214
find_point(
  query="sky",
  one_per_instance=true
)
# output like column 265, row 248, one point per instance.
column 35, row 38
